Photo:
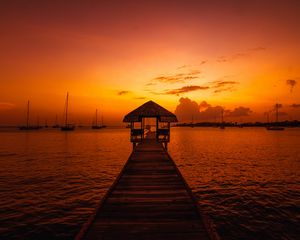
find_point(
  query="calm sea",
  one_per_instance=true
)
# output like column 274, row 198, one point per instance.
column 247, row 180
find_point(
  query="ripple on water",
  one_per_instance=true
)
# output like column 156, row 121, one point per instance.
column 54, row 181
column 245, row 180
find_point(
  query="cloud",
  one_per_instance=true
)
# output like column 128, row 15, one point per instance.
column 222, row 86
column 194, row 72
column 155, row 93
column 123, row 92
column 239, row 112
column 232, row 57
column 292, row 83
column 222, row 59
column 6, row 106
column 178, row 77
column 185, row 66
column 238, row 55
column 218, row 84
column 211, row 113
column 187, row 110
column 139, row 98
column 224, row 90
column 186, row 89
column 203, row 105
column 256, row 49
column 295, row 105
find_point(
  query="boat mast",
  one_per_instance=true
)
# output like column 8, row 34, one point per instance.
column 222, row 116
column 277, row 112
column 96, row 116
column 27, row 120
column 67, row 103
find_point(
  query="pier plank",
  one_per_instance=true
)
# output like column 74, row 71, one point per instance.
column 149, row 200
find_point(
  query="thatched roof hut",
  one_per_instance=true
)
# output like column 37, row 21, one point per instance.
column 148, row 110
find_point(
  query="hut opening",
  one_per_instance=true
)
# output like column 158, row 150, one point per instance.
column 150, row 121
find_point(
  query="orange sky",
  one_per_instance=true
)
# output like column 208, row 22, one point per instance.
column 116, row 55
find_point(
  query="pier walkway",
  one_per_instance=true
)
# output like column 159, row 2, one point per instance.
column 149, row 200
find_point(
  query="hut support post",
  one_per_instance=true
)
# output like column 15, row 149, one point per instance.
column 169, row 131
column 156, row 129
column 166, row 145
column 143, row 127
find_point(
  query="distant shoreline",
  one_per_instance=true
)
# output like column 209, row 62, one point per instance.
column 294, row 123
column 291, row 124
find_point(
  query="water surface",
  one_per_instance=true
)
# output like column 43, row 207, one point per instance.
column 51, row 181
column 246, row 180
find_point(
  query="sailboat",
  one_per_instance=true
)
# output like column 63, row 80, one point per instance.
column 192, row 122
column 27, row 127
column 67, row 126
column 102, row 122
column 56, row 125
column 96, row 126
column 275, row 128
column 222, row 126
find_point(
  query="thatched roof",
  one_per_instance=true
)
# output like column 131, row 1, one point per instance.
column 150, row 109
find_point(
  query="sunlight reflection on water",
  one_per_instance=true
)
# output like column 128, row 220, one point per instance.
column 51, row 181
column 246, row 180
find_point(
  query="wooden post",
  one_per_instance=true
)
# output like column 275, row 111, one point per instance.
column 156, row 129
column 131, row 128
column 142, row 127
column 166, row 145
column 169, row 131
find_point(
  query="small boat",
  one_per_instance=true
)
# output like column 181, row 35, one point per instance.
column 96, row 126
column 275, row 128
column 222, row 125
column 102, row 122
column 28, row 127
column 67, row 126
column 192, row 122
column 56, row 125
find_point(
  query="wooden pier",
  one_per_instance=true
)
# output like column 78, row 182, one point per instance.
column 149, row 200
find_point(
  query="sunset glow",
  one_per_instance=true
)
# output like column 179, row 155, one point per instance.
column 116, row 55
